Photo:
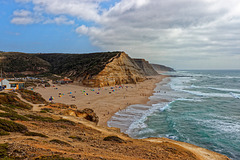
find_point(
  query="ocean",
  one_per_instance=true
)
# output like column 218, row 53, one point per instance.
column 197, row 107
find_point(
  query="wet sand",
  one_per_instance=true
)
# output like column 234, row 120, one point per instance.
column 104, row 101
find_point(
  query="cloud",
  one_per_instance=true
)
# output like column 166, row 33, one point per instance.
column 59, row 20
column 172, row 32
column 82, row 30
column 23, row 17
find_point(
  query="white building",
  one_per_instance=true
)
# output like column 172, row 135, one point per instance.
column 11, row 85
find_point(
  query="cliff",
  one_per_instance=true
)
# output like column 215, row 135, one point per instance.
column 146, row 67
column 121, row 70
column 94, row 70
column 160, row 68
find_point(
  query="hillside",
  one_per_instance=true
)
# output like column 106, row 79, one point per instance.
column 34, row 132
column 78, row 65
column 22, row 63
column 160, row 68
column 94, row 69
column 146, row 67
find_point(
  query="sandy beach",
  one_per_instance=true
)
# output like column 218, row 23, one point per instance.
column 104, row 101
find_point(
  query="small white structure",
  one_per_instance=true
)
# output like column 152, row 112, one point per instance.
column 11, row 85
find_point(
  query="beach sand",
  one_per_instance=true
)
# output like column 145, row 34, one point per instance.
column 108, row 101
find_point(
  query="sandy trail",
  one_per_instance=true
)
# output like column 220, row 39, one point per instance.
column 35, row 106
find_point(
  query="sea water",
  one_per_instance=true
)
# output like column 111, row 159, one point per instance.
column 197, row 107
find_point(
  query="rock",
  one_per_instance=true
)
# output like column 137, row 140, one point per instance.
column 87, row 113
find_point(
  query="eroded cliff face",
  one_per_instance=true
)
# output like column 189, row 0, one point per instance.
column 161, row 68
column 146, row 67
column 121, row 69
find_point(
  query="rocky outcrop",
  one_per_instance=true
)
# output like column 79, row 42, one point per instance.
column 146, row 67
column 86, row 113
column 120, row 70
column 162, row 68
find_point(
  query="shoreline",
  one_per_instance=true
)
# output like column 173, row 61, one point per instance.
column 104, row 104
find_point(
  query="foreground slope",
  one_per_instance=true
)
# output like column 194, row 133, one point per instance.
column 28, row 134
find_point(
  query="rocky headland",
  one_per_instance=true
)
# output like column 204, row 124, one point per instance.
column 93, row 70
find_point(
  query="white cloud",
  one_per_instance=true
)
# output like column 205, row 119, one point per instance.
column 172, row 32
column 82, row 30
column 59, row 20
column 23, row 17
column 22, row 13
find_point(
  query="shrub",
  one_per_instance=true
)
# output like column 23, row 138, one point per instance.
column 13, row 102
column 49, row 119
column 32, row 96
column 54, row 157
column 35, row 134
column 66, row 121
column 3, row 150
column 3, row 133
column 114, row 139
column 10, row 126
column 40, row 118
column 59, row 142
column 45, row 110
column 14, row 116
column 76, row 138
column 6, row 109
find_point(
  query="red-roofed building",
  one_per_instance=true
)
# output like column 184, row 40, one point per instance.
column 65, row 80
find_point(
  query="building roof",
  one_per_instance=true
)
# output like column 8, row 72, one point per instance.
column 11, row 82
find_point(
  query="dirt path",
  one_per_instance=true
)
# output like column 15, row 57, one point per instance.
column 35, row 106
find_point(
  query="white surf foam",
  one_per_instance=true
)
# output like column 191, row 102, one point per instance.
column 235, row 95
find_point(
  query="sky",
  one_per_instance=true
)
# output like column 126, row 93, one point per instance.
column 183, row 34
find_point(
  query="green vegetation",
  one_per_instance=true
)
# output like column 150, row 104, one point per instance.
column 45, row 110
column 47, row 65
column 40, row 118
column 3, row 133
column 32, row 96
column 66, row 122
column 6, row 109
column 81, row 64
column 35, row 134
column 3, row 150
column 10, row 126
column 49, row 119
column 13, row 116
column 54, row 157
column 13, row 102
column 20, row 62
column 59, row 142
column 76, row 138
column 114, row 139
